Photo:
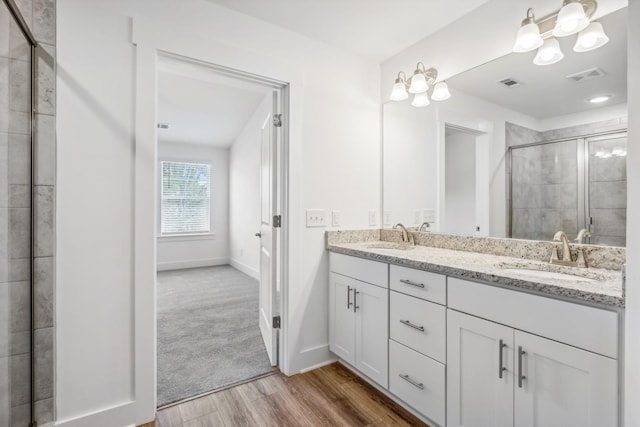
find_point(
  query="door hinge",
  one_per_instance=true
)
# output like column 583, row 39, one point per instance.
column 277, row 221
column 277, row 120
column 276, row 322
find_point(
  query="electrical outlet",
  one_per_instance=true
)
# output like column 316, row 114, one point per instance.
column 429, row 215
column 335, row 218
column 387, row 218
column 416, row 217
column 316, row 218
column 373, row 218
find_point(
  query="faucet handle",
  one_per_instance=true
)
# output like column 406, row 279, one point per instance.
column 581, row 261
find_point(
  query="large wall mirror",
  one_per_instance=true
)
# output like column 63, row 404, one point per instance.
column 519, row 150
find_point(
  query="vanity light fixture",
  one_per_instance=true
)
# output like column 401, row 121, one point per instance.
column 418, row 84
column 549, row 53
column 574, row 17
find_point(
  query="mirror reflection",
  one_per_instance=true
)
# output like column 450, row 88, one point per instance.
column 519, row 150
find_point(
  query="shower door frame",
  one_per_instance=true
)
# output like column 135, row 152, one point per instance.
column 33, row 44
column 582, row 160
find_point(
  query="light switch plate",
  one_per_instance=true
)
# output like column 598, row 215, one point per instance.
column 373, row 218
column 316, row 218
column 416, row 217
column 336, row 218
column 387, row 218
column 429, row 215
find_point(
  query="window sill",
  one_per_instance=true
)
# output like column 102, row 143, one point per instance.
column 186, row 237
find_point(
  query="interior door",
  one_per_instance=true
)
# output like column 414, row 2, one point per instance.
column 268, row 234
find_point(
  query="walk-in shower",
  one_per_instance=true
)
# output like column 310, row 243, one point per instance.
column 16, row 218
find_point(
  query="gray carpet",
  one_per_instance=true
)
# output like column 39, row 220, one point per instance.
column 208, row 332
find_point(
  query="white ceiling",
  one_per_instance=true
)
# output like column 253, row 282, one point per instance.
column 377, row 29
column 202, row 106
column 541, row 85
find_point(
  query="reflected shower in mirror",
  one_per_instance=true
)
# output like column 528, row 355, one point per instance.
column 519, row 150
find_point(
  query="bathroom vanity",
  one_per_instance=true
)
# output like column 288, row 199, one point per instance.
column 470, row 338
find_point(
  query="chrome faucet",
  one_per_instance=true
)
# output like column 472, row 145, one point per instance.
column 566, row 252
column 406, row 237
column 582, row 234
column 425, row 225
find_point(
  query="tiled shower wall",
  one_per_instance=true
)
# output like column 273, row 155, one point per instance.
column 544, row 184
column 14, row 69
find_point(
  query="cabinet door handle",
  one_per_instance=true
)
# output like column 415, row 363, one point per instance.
column 409, row 282
column 355, row 298
column 412, row 382
column 501, row 368
column 349, row 303
column 521, row 377
column 411, row 325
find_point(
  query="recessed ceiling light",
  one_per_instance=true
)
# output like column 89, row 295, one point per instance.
column 599, row 99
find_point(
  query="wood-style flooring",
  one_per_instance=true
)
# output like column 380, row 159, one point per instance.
column 328, row 396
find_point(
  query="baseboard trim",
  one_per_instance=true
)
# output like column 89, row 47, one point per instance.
column 179, row 265
column 119, row 415
column 312, row 358
column 250, row 271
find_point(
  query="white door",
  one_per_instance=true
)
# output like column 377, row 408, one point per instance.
column 341, row 317
column 371, row 305
column 479, row 372
column 563, row 386
column 268, row 237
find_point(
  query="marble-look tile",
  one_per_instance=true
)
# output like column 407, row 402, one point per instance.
column 15, row 121
column 20, row 415
column 19, row 85
column 19, row 196
column 619, row 241
column 608, row 195
column 19, row 368
column 554, row 220
column 19, row 232
column 525, row 223
column 44, row 21
column 44, row 363
column 44, row 220
column 13, row 269
column 607, row 169
column 19, row 305
column 18, row 46
column 4, row 241
column 559, row 196
column 559, row 169
column 19, row 152
column 12, row 343
column 518, row 135
column 43, row 272
column 44, row 411
column 46, row 81
column 4, row 88
column 608, row 222
column 525, row 195
column 45, row 150
column 25, row 6
column 5, row 390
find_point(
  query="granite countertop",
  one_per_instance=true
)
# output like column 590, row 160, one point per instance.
column 596, row 285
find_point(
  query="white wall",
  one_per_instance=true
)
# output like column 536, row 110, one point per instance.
column 632, row 317
column 176, row 252
column 460, row 184
column 335, row 158
column 244, row 182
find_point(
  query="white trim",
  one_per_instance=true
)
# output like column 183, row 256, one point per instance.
column 192, row 263
column 185, row 237
column 118, row 415
column 319, row 365
column 152, row 38
column 250, row 271
column 313, row 356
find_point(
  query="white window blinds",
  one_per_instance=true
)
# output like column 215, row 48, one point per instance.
column 185, row 203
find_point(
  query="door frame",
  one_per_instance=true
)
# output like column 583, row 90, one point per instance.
column 152, row 40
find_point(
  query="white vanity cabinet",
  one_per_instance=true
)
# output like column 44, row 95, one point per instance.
column 501, row 376
column 359, row 315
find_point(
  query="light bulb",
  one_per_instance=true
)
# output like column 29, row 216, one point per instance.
column 591, row 38
column 420, row 100
column 440, row 92
column 571, row 19
column 418, row 83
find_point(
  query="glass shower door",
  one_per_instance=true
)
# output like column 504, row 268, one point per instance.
column 15, row 224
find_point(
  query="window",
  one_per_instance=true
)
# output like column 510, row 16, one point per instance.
column 185, row 199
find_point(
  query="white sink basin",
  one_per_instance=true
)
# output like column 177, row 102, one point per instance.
column 390, row 245
column 539, row 274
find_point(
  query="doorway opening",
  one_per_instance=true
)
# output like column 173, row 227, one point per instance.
column 462, row 203
column 220, row 196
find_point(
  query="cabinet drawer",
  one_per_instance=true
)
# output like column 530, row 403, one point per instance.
column 417, row 380
column 376, row 273
column 421, row 284
column 589, row 328
column 418, row 324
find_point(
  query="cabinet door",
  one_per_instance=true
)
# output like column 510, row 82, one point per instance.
column 563, row 386
column 341, row 317
column 479, row 372
column 372, row 331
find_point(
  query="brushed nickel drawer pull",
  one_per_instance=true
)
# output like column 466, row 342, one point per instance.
column 409, row 282
column 408, row 379
column 501, row 369
column 349, row 303
column 521, row 377
column 411, row 325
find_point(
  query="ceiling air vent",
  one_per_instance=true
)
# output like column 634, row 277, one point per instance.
column 163, row 125
column 509, row 82
column 592, row 73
